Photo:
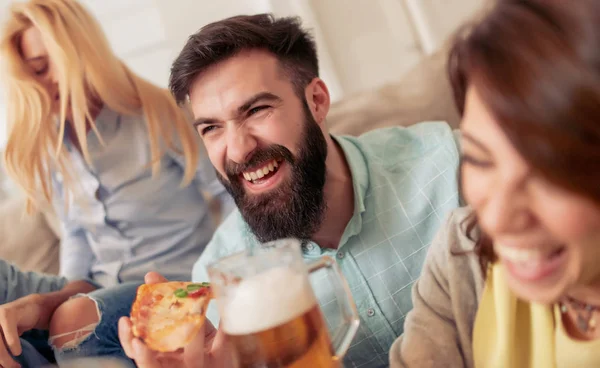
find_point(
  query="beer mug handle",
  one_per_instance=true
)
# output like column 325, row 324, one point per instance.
column 345, row 334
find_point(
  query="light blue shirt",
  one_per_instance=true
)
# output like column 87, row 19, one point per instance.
column 405, row 183
column 122, row 222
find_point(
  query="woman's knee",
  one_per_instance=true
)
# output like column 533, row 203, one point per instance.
column 73, row 321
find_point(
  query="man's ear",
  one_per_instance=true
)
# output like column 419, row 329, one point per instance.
column 318, row 99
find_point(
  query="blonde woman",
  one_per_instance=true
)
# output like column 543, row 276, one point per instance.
column 110, row 151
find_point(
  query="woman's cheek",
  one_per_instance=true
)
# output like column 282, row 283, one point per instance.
column 475, row 185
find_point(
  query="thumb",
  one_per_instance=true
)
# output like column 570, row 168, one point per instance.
column 154, row 278
column 218, row 340
column 144, row 357
column 210, row 332
column 220, row 351
column 195, row 352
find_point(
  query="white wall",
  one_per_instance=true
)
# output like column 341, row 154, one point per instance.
column 434, row 20
column 136, row 30
column 371, row 42
column 181, row 18
column 362, row 44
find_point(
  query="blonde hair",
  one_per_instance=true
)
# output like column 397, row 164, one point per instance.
column 86, row 66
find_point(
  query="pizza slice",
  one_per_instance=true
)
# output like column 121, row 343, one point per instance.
column 168, row 315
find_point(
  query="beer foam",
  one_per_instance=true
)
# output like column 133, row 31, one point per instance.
column 267, row 300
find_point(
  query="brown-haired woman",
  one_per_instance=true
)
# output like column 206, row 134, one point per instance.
column 514, row 280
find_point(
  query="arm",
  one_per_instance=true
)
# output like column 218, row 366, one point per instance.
column 437, row 331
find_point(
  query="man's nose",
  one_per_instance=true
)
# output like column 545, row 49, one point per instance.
column 240, row 144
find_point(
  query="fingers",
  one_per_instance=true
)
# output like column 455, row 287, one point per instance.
column 154, row 278
column 208, row 349
column 10, row 340
column 218, row 341
column 6, row 360
column 193, row 354
column 134, row 348
column 209, row 332
column 219, row 353
column 11, row 335
column 126, row 336
column 144, row 357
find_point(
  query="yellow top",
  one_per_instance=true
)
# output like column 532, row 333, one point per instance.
column 510, row 332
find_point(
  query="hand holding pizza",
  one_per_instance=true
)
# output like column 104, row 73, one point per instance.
column 202, row 348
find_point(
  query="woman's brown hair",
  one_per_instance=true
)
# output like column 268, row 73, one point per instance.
column 536, row 66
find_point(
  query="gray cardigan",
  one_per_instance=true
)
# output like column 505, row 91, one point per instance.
column 438, row 331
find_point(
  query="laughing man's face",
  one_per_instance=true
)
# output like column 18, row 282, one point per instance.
column 266, row 147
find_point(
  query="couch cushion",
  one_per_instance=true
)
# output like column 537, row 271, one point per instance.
column 25, row 239
column 423, row 95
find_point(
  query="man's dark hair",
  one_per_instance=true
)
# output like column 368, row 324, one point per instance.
column 293, row 46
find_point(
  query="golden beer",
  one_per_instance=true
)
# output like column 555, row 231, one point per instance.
column 269, row 311
column 301, row 342
column 273, row 320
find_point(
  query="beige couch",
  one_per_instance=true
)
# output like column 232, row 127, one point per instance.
column 32, row 241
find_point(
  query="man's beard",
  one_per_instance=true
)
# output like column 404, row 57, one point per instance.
column 296, row 207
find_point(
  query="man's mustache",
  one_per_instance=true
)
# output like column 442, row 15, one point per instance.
column 272, row 152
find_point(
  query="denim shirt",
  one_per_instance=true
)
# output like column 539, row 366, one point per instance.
column 405, row 184
column 122, row 222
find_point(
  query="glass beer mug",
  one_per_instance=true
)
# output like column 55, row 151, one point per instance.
column 269, row 311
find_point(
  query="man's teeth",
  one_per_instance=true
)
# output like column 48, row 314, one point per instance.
column 523, row 255
column 260, row 172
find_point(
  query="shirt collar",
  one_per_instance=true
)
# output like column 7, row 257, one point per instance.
column 360, row 183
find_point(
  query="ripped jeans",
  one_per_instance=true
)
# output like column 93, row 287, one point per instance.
column 101, row 340
column 91, row 351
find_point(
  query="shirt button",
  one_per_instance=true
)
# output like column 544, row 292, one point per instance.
column 340, row 255
column 370, row 312
column 309, row 246
column 59, row 177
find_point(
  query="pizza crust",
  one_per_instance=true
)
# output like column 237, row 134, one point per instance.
column 167, row 322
